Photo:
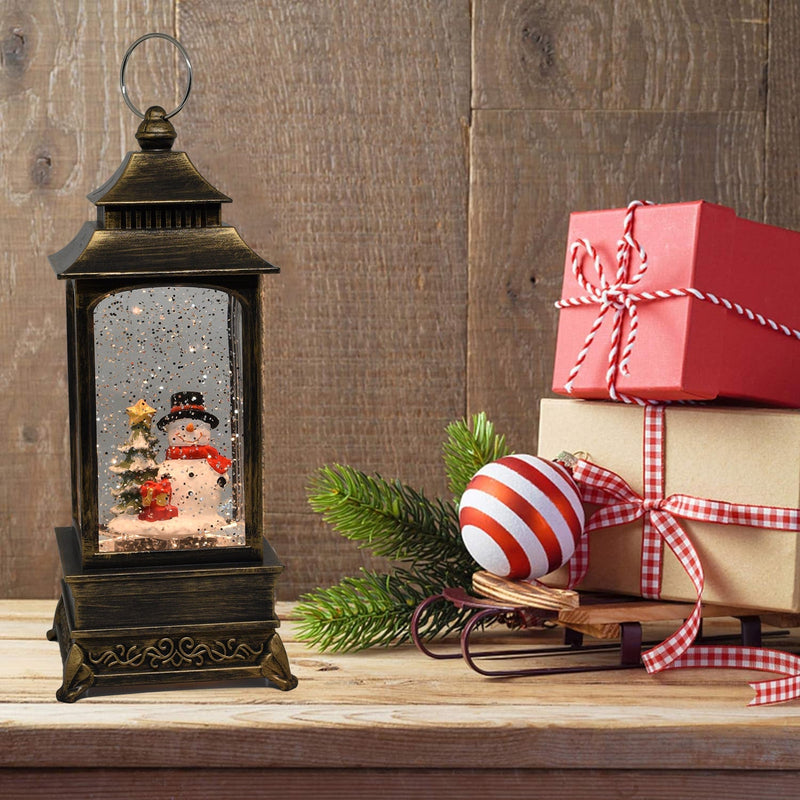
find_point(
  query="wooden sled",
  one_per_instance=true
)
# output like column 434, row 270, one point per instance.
column 616, row 622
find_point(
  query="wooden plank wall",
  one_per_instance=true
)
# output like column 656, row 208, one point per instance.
column 348, row 168
column 63, row 131
column 411, row 166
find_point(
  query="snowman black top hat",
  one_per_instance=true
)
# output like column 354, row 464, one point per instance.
column 187, row 405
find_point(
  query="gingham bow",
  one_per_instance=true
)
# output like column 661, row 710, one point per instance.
column 620, row 504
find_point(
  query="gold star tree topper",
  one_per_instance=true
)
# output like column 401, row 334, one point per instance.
column 140, row 412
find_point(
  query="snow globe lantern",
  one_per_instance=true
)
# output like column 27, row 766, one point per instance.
column 167, row 574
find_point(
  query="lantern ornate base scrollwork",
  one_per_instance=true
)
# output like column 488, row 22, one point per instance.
column 170, row 625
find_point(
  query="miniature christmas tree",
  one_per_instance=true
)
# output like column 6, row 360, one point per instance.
column 138, row 463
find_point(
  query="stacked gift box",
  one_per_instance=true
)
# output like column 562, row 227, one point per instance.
column 689, row 306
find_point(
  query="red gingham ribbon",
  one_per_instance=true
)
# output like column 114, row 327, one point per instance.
column 620, row 504
column 760, row 659
column 619, row 295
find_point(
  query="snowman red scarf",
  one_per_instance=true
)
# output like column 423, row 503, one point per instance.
column 217, row 462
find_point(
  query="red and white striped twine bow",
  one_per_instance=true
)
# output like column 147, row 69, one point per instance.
column 618, row 295
column 620, row 505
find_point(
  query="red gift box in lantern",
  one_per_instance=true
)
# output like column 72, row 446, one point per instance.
column 684, row 301
column 156, row 496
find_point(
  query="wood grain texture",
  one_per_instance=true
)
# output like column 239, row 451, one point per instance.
column 348, row 170
column 647, row 611
column 63, row 130
column 693, row 55
column 782, row 179
column 387, row 718
column 392, row 784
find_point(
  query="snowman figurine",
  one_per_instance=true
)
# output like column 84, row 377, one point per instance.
column 196, row 471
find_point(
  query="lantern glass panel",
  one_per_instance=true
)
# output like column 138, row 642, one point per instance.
column 169, row 449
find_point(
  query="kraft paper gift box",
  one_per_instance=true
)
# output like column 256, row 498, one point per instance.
column 733, row 454
column 688, row 348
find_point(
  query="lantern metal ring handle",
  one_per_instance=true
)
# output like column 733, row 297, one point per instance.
column 124, row 88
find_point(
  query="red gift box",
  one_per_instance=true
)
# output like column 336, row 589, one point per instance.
column 712, row 300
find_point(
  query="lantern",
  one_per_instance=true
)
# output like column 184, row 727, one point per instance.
column 167, row 576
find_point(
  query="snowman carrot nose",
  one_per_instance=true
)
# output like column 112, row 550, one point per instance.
column 190, row 427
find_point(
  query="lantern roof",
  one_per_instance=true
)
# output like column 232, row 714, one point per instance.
column 156, row 176
column 98, row 253
column 157, row 216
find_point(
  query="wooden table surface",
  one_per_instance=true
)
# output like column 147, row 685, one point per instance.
column 389, row 723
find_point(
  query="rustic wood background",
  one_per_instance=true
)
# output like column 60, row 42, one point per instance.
column 411, row 165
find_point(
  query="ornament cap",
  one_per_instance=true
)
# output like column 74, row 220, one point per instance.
column 156, row 132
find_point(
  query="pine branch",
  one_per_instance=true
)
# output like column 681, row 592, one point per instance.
column 399, row 523
column 374, row 609
column 389, row 518
column 468, row 448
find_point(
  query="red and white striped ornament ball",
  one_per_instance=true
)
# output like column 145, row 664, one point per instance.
column 521, row 517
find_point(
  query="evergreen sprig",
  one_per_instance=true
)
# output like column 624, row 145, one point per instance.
column 397, row 522
column 468, row 448
column 372, row 609
column 389, row 518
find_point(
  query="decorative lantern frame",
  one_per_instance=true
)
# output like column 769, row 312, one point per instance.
column 175, row 613
column 114, row 259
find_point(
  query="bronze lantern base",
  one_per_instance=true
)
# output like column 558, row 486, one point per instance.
column 166, row 624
